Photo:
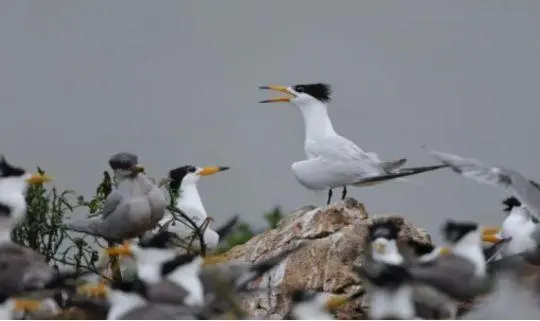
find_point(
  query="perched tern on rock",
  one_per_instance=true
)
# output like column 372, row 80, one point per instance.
column 183, row 183
column 333, row 160
column 135, row 206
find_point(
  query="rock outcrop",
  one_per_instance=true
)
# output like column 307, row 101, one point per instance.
column 335, row 236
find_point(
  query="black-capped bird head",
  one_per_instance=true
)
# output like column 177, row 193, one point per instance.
column 125, row 164
column 302, row 94
column 382, row 240
column 189, row 174
column 15, row 176
column 13, row 185
column 455, row 231
column 510, row 203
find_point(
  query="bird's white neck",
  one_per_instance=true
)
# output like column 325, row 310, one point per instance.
column 187, row 276
column 470, row 247
column 392, row 303
column 122, row 303
column 190, row 199
column 316, row 121
column 149, row 263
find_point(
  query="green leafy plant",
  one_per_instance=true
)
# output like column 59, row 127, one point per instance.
column 48, row 208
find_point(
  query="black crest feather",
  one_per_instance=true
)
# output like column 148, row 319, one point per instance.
column 385, row 229
column 453, row 231
column 320, row 91
column 177, row 175
column 510, row 203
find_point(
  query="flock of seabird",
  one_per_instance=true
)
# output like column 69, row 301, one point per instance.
column 402, row 279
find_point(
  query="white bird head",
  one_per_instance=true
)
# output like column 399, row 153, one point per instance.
column 189, row 174
column 382, row 237
column 301, row 95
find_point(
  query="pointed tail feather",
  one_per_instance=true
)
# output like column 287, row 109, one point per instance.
column 403, row 172
column 391, row 165
column 87, row 226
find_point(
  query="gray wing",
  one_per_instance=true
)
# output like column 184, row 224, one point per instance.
column 166, row 292
column 322, row 173
column 111, row 203
column 160, row 312
column 340, row 148
column 22, row 269
column 526, row 191
column 452, row 275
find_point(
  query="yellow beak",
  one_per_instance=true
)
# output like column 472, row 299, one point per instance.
column 212, row 170
column 490, row 229
column 282, row 89
column 491, row 238
column 23, row 305
column 336, row 301
column 122, row 250
column 138, row 168
column 380, row 248
column 38, row 179
column 444, row 250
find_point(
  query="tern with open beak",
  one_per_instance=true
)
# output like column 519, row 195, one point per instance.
column 332, row 160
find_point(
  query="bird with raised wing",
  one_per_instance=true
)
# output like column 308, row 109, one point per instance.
column 527, row 191
column 332, row 160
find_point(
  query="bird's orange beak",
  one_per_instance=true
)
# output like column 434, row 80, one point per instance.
column 38, row 179
column 212, row 170
column 282, row 89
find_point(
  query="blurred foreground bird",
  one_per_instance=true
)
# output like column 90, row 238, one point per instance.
column 136, row 204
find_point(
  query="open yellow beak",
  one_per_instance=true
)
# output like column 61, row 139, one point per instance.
column 336, row 301
column 38, row 179
column 138, row 168
column 490, row 229
column 282, row 89
column 212, row 170
column 23, row 305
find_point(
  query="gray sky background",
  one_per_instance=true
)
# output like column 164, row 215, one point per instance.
column 176, row 83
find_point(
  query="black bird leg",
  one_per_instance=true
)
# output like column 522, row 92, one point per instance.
column 344, row 192
column 329, row 197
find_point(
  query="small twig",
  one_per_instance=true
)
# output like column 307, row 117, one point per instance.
column 194, row 226
column 93, row 270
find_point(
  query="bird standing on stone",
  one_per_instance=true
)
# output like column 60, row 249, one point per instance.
column 333, row 160
column 133, row 207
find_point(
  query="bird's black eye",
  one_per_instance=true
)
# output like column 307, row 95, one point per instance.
column 299, row 89
column 192, row 169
